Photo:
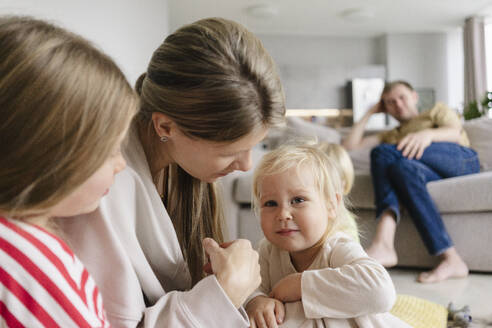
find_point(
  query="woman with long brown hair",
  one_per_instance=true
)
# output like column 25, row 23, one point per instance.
column 210, row 93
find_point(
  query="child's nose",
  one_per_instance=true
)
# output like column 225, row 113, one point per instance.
column 284, row 213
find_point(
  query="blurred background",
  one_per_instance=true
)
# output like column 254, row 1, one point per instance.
column 319, row 46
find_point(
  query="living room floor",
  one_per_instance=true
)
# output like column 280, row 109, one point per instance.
column 474, row 291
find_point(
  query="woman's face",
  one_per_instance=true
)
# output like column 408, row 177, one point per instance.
column 208, row 161
column 86, row 197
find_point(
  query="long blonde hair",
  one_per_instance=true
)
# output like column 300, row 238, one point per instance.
column 343, row 162
column 346, row 171
column 215, row 80
column 325, row 174
column 63, row 107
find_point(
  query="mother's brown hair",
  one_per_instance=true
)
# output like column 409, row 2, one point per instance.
column 63, row 107
column 215, row 80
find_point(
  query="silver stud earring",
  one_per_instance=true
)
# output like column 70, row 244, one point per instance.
column 164, row 139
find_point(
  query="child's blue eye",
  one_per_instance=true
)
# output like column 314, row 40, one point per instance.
column 270, row 203
column 297, row 200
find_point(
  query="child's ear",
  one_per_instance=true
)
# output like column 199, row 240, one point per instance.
column 339, row 198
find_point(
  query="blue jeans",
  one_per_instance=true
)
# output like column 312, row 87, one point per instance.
column 396, row 178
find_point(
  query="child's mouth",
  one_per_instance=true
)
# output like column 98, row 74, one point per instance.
column 287, row 232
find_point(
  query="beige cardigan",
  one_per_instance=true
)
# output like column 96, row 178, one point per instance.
column 130, row 247
column 343, row 287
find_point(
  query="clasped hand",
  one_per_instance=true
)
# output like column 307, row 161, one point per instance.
column 235, row 265
column 269, row 312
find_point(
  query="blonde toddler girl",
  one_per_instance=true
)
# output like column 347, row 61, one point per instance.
column 307, row 256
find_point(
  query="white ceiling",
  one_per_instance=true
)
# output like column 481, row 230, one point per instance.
column 323, row 17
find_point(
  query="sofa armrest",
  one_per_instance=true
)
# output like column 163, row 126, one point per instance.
column 468, row 193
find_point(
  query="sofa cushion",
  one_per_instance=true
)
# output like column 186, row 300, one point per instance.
column 362, row 193
column 479, row 132
column 469, row 193
column 361, row 159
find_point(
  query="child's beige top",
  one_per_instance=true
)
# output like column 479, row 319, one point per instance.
column 438, row 116
column 343, row 287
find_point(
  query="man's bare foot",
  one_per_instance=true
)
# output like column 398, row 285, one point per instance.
column 382, row 248
column 384, row 254
column 452, row 266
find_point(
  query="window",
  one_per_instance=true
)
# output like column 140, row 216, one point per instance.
column 488, row 52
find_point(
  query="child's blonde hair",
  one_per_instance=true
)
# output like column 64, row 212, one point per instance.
column 343, row 162
column 63, row 106
column 346, row 170
column 323, row 169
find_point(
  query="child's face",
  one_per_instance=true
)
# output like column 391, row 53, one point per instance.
column 86, row 197
column 294, row 215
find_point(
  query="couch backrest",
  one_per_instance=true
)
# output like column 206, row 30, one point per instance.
column 479, row 132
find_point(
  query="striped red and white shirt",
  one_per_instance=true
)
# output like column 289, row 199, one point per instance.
column 42, row 283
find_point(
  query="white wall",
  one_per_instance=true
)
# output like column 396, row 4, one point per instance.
column 129, row 31
column 314, row 70
column 420, row 59
column 456, row 69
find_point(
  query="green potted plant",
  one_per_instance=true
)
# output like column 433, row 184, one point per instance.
column 475, row 110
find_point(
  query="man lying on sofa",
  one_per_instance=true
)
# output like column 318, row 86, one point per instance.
column 425, row 147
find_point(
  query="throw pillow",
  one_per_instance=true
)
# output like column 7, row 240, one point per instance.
column 480, row 134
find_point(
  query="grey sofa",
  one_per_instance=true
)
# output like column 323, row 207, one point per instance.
column 465, row 202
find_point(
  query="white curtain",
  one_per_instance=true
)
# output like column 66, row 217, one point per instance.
column 475, row 64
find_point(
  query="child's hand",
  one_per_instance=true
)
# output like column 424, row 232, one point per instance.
column 288, row 289
column 265, row 312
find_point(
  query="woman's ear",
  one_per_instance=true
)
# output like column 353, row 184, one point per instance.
column 163, row 125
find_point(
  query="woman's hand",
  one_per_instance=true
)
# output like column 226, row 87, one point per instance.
column 414, row 144
column 265, row 312
column 288, row 289
column 236, row 268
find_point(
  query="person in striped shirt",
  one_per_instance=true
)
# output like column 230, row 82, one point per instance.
column 64, row 110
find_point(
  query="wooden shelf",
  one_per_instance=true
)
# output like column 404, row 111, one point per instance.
column 321, row 112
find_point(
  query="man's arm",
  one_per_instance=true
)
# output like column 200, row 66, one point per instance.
column 356, row 139
column 414, row 144
column 447, row 133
